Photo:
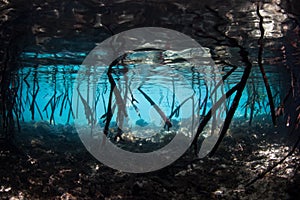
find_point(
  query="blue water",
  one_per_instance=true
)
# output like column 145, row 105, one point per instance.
column 48, row 92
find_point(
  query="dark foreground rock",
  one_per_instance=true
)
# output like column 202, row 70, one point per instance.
column 54, row 164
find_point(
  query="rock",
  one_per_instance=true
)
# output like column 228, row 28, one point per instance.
column 67, row 196
column 42, row 127
column 141, row 123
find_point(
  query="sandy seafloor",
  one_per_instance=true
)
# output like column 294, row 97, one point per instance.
column 50, row 162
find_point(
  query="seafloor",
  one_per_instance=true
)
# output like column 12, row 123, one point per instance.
column 50, row 162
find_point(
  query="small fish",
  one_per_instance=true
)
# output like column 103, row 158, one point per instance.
column 141, row 123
